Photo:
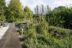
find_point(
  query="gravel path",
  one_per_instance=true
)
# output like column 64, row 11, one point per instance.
column 10, row 39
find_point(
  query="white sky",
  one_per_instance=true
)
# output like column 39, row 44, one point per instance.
column 51, row 3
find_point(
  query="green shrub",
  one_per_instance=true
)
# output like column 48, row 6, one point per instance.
column 59, row 32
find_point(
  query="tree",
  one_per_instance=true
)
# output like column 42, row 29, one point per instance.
column 2, row 5
column 16, row 11
column 65, row 15
column 28, row 13
column 55, row 16
column 42, row 10
column 37, row 10
column 68, row 18
column 48, row 9
column 60, row 16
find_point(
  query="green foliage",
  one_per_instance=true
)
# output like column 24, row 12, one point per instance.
column 55, row 17
column 41, row 25
column 2, row 5
column 15, row 10
column 38, row 40
column 37, row 33
column 59, row 32
column 40, row 35
column 60, row 16
column 28, row 13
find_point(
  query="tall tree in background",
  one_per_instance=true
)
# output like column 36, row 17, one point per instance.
column 16, row 12
column 42, row 10
column 28, row 13
column 37, row 10
column 2, row 5
column 48, row 9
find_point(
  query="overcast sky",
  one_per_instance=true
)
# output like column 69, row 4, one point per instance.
column 51, row 3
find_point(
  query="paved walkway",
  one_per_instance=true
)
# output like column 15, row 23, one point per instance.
column 10, row 39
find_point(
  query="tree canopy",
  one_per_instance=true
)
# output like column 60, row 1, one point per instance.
column 60, row 16
column 16, row 11
column 2, row 6
column 28, row 13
